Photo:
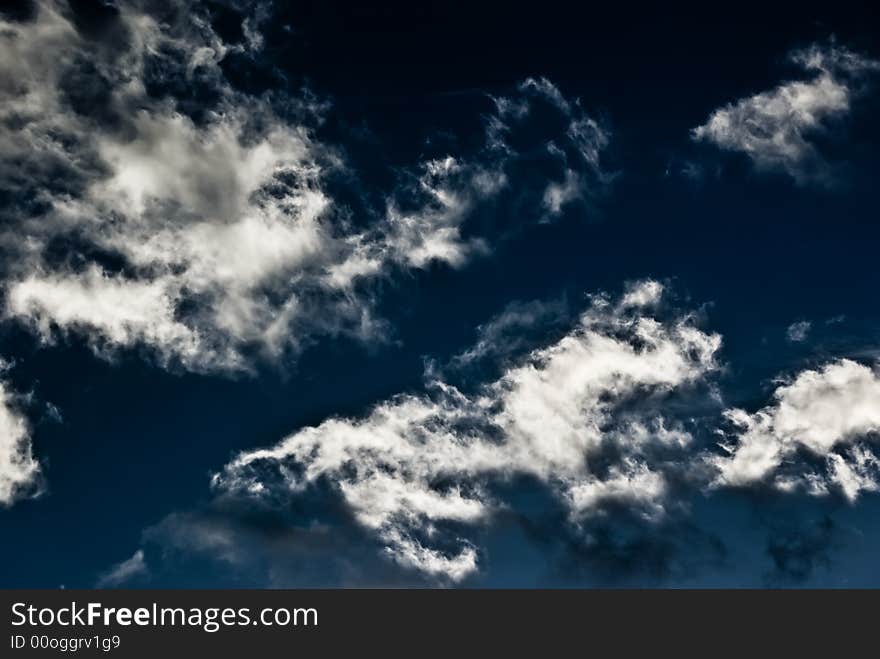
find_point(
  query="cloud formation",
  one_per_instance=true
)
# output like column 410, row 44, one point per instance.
column 19, row 471
column 775, row 128
column 797, row 332
column 418, row 471
column 124, row 571
column 518, row 327
column 149, row 203
column 814, row 438
column 592, row 446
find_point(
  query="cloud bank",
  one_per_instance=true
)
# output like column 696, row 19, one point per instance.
column 612, row 427
column 152, row 204
column 418, row 471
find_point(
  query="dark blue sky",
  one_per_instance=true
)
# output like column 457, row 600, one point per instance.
column 749, row 248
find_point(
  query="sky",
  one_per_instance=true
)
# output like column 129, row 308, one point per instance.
column 307, row 294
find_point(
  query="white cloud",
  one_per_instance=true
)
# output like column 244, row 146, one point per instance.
column 119, row 311
column 557, row 195
column 774, row 127
column 19, row 471
column 217, row 223
column 124, row 571
column 642, row 294
column 829, row 412
column 633, row 481
column 206, row 171
column 797, row 332
column 580, row 155
column 417, row 464
column 433, row 231
column 207, row 237
column 858, row 472
column 210, row 238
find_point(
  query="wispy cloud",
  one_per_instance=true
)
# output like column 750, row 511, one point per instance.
column 133, row 567
column 797, row 332
column 202, row 228
column 775, row 128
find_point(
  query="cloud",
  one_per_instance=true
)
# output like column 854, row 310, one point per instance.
column 120, row 311
column 557, row 195
column 584, row 443
column 520, row 326
column 177, row 231
column 775, row 128
column 147, row 202
column 124, row 571
column 797, row 331
column 579, row 153
column 814, row 438
column 19, row 471
column 580, row 416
